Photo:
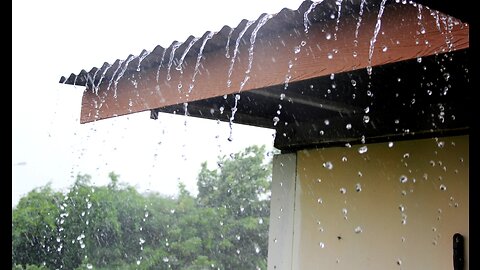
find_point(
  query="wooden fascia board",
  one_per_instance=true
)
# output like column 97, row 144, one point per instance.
column 275, row 59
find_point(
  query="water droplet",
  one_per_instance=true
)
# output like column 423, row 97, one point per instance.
column 329, row 55
column 348, row 126
column 275, row 120
column 321, row 245
column 401, row 208
column 419, row 59
column 384, row 48
column 343, row 190
column 353, row 82
column 326, row 122
column 344, row 159
column 363, row 149
column 399, row 262
column 360, row 174
column 165, row 259
column 403, row 179
column 282, row 96
column 441, row 144
column 358, row 229
column 443, row 187
column 82, row 245
column 358, row 187
column 406, row 155
column 89, row 266
column 328, row 165
column 328, row 36
column 319, row 200
column 297, row 49
column 344, row 211
column 366, row 118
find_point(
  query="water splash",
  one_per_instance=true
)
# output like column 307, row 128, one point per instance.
column 172, row 55
column 235, row 51
column 160, row 65
column 179, row 66
column 199, row 58
column 375, row 34
column 122, row 71
column 227, row 47
column 339, row 5
column 360, row 15
column 253, row 36
column 306, row 21
column 141, row 57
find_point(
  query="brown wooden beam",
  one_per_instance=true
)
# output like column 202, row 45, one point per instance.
column 400, row 38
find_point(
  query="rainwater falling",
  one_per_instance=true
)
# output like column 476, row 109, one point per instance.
column 141, row 57
column 253, row 36
column 160, row 65
column 101, row 78
column 359, row 22
column 235, row 51
column 122, row 71
column 115, row 73
column 375, row 34
column 227, row 47
column 306, row 21
column 93, row 81
column 234, row 110
column 179, row 66
column 339, row 5
column 199, row 58
column 172, row 55
column 420, row 19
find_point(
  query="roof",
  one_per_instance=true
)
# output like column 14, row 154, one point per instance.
column 354, row 65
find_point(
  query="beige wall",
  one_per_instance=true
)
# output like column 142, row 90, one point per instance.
column 420, row 237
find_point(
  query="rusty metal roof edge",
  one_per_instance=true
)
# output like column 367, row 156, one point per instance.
column 159, row 55
column 146, row 59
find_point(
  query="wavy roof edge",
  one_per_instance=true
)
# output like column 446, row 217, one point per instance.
column 284, row 20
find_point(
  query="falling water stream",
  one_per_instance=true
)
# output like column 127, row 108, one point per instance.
column 375, row 34
column 161, row 63
column 227, row 46
column 180, row 62
column 359, row 22
column 172, row 55
column 122, row 71
column 339, row 13
column 253, row 37
column 115, row 73
column 199, row 58
column 101, row 78
column 235, row 51
column 141, row 57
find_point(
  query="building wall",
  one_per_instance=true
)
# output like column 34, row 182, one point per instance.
column 391, row 207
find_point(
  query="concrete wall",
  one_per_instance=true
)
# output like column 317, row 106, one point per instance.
column 391, row 207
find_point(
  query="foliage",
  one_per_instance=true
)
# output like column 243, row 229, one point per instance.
column 115, row 227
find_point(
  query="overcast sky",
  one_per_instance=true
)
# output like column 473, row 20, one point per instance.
column 54, row 38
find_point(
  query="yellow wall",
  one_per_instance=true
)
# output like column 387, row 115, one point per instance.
column 431, row 215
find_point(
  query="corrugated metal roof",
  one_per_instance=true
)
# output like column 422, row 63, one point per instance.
column 225, row 38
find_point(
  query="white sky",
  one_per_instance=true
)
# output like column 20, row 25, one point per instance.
column 54, row 38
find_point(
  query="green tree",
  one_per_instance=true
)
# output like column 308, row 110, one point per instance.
column 238, row 194
column 115, row 227
column 34, row 228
